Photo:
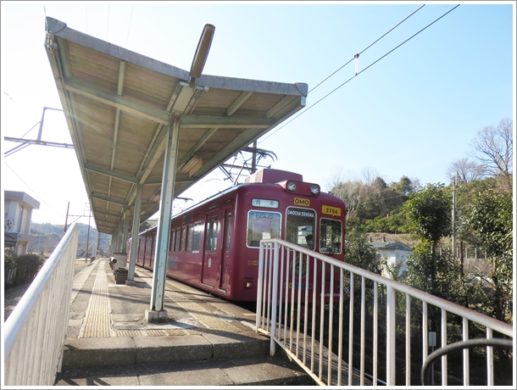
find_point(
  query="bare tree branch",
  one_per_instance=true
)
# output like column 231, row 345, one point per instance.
column 494, row 146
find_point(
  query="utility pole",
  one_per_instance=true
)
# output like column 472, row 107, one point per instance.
column 453, row 218
column 98, row 243
column 66, row 219
column 254, row 158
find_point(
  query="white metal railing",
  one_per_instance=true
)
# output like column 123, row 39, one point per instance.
column 34, row 333
column 401, row 321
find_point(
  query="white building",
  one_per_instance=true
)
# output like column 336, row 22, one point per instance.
column 18, row 208
column 395, row 254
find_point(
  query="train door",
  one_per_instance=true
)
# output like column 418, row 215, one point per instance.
column 224, row 276
column 212, row 251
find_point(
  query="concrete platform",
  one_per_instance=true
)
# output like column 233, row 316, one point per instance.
column 206, row 341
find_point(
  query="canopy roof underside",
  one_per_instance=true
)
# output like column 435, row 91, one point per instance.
column 118, row 105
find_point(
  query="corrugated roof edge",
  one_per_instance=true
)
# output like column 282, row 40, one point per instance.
column 61, row 30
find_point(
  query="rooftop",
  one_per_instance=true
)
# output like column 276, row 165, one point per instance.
column 119, row 105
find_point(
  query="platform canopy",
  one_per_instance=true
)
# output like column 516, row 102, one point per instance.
column 118, row 105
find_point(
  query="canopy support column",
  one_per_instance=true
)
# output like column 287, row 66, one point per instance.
column 156, row 311
column 134, row 235
column 125, row 235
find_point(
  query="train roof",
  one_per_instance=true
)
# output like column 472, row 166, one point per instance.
column 265, row 176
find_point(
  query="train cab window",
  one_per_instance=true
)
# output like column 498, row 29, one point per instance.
column 262, row 225
column 300, row 225
column 212, row 232
column 195, row 233
column 331, row 232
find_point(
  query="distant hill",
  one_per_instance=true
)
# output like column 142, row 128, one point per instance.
column 46, row 236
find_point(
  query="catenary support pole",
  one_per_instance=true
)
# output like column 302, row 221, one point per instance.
column 125, row 235
column 156, row 312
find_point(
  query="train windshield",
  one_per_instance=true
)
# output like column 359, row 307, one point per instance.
column 330, row 236
column 300, row 226
column 262, row 225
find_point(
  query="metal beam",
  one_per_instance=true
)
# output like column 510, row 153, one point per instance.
column 227, row 122
column 111, row 173
column 106, row 214
column 199, row 144
column 119, row 201
column 122, row 103
column 182, row 181
column 39, row 142
column 284, row 102
column 116, row 126
column 237, row 103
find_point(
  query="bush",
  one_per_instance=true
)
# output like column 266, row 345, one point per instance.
column 9, row 268
column 27, row 266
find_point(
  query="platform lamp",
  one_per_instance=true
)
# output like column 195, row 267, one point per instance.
column 202, row 50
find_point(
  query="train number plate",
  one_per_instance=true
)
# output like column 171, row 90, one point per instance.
column 329, row 210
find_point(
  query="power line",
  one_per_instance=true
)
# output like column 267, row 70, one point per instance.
column 366, row 48
column 358, row 73
column 29, row 187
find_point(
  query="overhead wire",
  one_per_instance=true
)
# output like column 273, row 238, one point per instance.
column 358, row 73
column 366, row 48
column 29, row 187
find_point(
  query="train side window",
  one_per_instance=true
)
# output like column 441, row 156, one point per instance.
column 177, row 240
column 184, row 239
column 331, row 233
column 262, row 225
column 171, row 243
column 228, row 229
column 300, row 225
column 212, row 232
column 194, row 237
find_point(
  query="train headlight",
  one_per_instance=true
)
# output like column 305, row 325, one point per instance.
column 291, row 186
column 315, row 189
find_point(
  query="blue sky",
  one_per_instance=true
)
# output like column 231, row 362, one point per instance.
column 413, row 113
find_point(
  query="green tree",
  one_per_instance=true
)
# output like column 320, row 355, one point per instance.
column 429, row 213
column 360, row 253
column 489, row 218
column 428, row 216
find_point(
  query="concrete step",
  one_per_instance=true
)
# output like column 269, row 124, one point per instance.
column 257, row 371
column 119, row 351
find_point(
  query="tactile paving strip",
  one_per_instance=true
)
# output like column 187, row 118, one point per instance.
column 97, row 318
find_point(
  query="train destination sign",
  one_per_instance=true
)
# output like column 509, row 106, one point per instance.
column 301, row 212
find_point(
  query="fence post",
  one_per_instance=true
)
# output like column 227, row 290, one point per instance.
column 390, row 336
column 274, row 299
column 260, row 281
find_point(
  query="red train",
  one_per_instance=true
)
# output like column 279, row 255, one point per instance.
column 214, row 246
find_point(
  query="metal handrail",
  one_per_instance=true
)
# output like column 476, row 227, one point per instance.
column 34, row 333
column 451, row 307
column 466, row 344
column 281, row 263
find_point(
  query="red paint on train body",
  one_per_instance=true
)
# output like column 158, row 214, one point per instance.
column 214, row 245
